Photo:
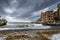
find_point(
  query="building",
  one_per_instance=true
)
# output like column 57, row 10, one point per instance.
column 58, row 11
column 49, row 17
column 43, row 17
column 56, row 16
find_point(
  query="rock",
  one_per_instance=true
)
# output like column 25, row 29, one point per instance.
column 3, row 22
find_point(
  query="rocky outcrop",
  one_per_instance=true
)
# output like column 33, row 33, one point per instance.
column 39, row 35
column 47, row 34
column 3, row 22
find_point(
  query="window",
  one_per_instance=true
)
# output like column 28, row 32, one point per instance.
column 49, row 16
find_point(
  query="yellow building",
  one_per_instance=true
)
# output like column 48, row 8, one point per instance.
column 43, row 17
column 58, row 11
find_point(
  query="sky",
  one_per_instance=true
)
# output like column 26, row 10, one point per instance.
column 25, row 10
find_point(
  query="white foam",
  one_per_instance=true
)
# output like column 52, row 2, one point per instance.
column 32, row 26
column 56, row 37
column 39, row 26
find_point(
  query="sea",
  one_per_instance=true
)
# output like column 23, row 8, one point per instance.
column 25, row 26
column 22, row 25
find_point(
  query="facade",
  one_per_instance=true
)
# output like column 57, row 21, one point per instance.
column 49, row 17
column 58, row 11
column 43, row 17
column 56, row 17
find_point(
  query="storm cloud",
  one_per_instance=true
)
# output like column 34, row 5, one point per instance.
column 25, row 9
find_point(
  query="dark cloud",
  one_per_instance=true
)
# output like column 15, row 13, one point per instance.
column 24, row 9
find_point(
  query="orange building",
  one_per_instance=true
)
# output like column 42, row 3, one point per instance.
column 49, row 17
